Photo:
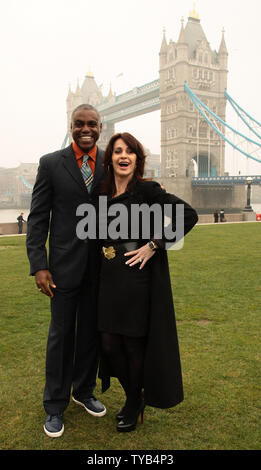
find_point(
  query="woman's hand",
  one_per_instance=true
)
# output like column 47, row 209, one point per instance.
column 142, row 255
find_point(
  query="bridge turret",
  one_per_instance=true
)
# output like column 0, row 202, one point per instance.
column 78, row 95
column 223, row 72
column 163, row 50
column 70, row 94
column 182, row 44
column 182, row 57
column 91, row 93
column 222, row 52
column 69, row 106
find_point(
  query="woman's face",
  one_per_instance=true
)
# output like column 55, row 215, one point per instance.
column 123, row 160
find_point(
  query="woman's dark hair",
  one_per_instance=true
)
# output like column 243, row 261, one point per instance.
column 108, row 186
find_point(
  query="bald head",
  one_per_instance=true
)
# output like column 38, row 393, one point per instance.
column 87, row 107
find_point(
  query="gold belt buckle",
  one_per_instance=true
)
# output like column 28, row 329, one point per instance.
column 109, row 252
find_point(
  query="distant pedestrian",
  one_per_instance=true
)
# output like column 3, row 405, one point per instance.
column 222, row 215
column 20, row 220
column 216, row 216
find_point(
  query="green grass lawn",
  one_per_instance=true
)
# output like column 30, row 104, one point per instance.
column 217, row 291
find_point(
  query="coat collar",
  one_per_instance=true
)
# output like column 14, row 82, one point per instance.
column 72, row 167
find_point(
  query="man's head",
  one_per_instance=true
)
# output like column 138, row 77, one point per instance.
column 86, row 126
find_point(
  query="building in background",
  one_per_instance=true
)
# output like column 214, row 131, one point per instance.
column 152, row 165
column 191, row 151
column 189, row 147
column 16, row 185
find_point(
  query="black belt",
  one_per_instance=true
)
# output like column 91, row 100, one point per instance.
column 111, row 251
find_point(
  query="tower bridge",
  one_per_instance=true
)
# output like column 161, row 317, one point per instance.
column 139, row 100
column 189, row 92
column 188, row 149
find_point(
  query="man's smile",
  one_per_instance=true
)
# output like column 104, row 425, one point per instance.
column 86, row 138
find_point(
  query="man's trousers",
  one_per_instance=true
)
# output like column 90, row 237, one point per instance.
column 72, row 348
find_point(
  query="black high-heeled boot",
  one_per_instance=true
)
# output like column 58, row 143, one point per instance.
column 121, row 413
column 132, row 411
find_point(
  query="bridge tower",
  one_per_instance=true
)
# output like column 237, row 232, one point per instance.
column 89, row 93
column 188, row 145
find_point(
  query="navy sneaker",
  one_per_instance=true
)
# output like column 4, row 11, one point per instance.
column 92, row 405
column 53, row 426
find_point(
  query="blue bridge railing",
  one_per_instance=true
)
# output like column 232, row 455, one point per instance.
column 217, row 180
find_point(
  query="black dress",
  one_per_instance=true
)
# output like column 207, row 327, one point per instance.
column 124, row 291
column 162, row 369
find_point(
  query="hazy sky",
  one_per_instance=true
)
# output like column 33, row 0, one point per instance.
column 49, row 44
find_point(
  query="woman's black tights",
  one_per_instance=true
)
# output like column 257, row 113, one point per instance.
column 125, row 355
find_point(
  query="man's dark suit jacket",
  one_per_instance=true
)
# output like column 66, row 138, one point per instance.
column 59, row 189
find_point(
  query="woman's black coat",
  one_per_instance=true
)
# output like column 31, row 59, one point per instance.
column 162, row 370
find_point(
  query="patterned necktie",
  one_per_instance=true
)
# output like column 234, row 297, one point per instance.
column 87, row 173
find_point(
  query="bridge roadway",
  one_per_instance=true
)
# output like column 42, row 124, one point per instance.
column 139, row 100
column 197, row 181
column 224, row 180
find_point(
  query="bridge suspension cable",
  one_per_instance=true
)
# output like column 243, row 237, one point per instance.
column 26, row 183
column 243, row 115
column 218, row 125
column 65, row 140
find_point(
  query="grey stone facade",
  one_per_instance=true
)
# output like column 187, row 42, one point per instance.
column 16, row 185
column 188, row 145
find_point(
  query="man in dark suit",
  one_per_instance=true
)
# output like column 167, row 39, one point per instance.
column 66, row 179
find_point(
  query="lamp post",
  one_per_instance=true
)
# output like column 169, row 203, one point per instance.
column 248, row 207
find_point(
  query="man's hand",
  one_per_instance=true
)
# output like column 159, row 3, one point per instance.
column 142, row 255
column 44, row 281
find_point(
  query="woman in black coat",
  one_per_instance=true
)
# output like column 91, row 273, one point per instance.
column 135, row 309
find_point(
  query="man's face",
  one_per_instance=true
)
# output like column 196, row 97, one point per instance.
column 86, row 128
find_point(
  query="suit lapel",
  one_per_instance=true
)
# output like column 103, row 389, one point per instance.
column 71, row 165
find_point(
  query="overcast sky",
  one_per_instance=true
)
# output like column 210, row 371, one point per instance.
column 49, row 44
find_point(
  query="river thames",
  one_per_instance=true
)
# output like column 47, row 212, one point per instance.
column 10, row 215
